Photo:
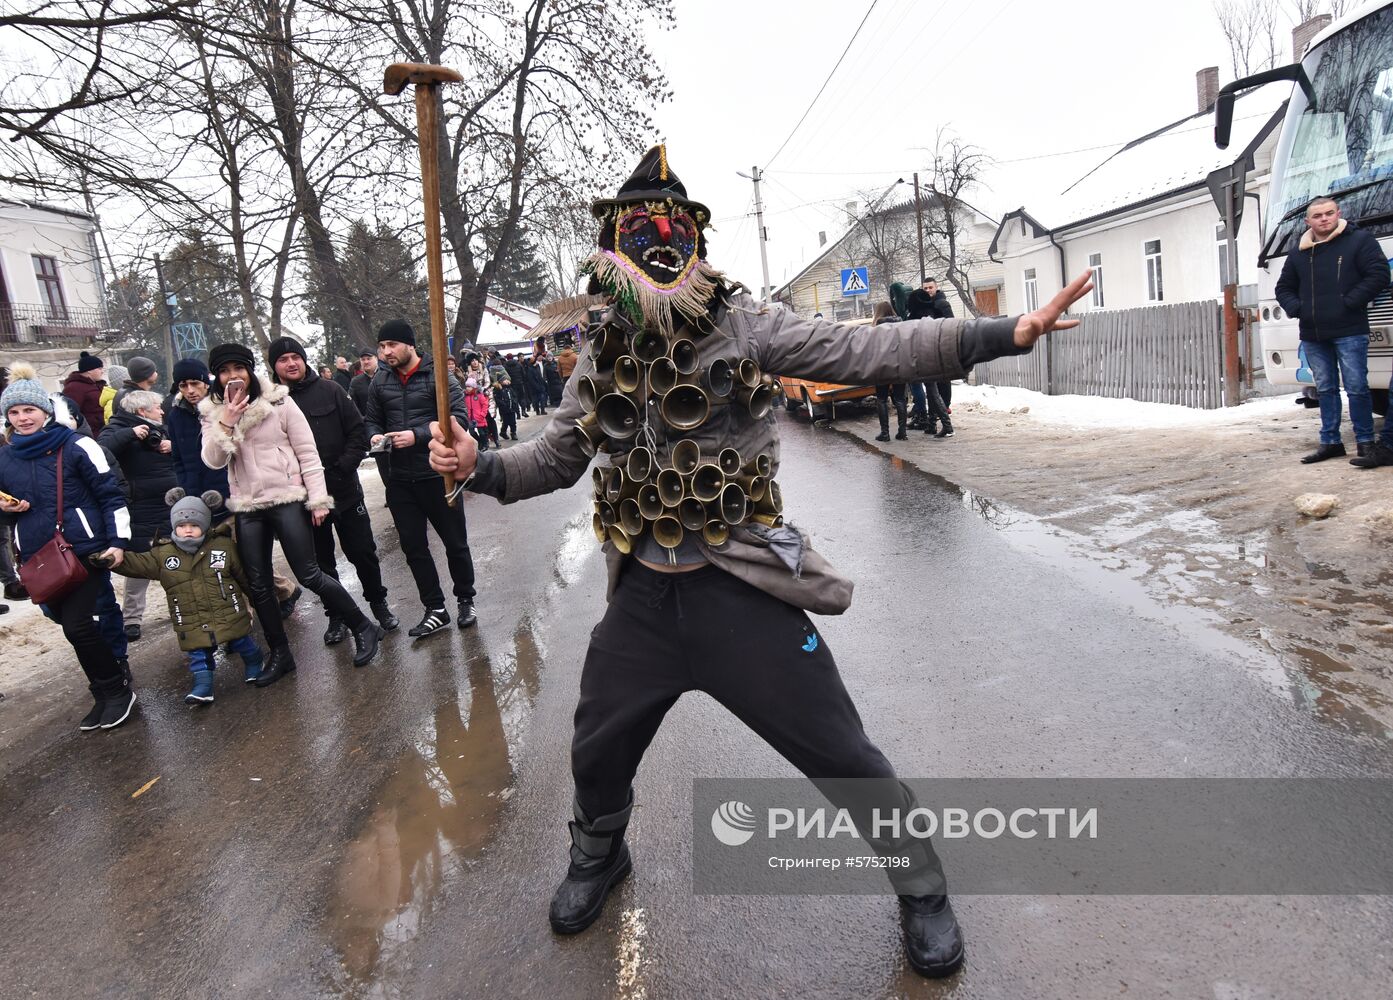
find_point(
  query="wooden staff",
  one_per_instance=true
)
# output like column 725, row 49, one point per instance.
column 427, row 80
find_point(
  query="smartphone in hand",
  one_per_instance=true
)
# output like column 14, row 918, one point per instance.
column 236, row 388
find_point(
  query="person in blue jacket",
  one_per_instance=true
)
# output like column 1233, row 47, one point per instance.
column 1328, row 283
column 95, row 520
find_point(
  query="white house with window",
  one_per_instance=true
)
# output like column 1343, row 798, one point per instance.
column 50, row 277
column 1143, row 221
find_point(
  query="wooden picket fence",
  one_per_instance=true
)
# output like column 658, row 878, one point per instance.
column 1158, row 354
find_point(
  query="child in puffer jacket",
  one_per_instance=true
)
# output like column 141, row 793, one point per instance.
column 205, row 586
column 477, row 403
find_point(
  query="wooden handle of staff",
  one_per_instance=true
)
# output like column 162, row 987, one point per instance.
column 427, row 125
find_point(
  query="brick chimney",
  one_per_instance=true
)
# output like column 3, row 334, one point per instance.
column 1207, row 88
column 1302, row 34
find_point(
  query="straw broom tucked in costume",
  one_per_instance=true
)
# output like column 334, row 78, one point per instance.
column 672, row 385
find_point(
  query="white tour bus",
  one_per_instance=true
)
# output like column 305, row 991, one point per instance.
column 1336, row 140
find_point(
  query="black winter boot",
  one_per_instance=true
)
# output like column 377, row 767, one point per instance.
column 384, row 616
column 93, row 719
column 1376, row 454
column 883, row 409
column 336, row 633
column 365, row 642
column 1324, row 452
column 901, row 435
column 933, row 942
column 599, row 861
column 278, row 664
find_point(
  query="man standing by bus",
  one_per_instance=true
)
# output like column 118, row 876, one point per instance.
column 1328, row 283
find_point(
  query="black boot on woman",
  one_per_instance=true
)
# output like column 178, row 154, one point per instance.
column 278, row 664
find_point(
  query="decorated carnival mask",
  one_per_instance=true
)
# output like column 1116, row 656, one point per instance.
column 652, row 252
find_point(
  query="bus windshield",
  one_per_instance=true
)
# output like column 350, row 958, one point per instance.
column 1343, row 145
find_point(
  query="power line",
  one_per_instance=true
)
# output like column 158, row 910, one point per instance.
column 825, row 82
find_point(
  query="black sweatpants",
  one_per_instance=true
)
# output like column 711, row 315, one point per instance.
column 76, row 613
column 668, row 633
column 350, row 518
column 257, row 531
column 414, row 504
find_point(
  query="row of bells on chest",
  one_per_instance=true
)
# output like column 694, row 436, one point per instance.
column 634, row 371
column 706, row 495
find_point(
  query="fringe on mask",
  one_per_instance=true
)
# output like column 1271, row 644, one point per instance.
column 645, row 303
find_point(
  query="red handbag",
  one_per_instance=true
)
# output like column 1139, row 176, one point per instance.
column 53, row 572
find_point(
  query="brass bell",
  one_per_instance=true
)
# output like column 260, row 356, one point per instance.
column 629, row 517
column 720, row 379
column 684, row 356
column 667, row 531
column 692, row 513
column 617, row 415
column 622, row 540
column 639, row 464
column 707, row 482
column 733, row 504
column 650, row 503
column 628, row 373
column 686, row 407
column 729, row 461
column 686, row 456
column 670, row 487
column 715, row 533
column 649, row 346
column 662, row 376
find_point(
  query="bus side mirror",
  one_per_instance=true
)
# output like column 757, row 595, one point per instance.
column 1223, row 120
column 1223, row 103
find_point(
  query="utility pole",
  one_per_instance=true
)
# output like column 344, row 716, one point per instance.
column 763, row 233
column 919, row 222
column 169, row 312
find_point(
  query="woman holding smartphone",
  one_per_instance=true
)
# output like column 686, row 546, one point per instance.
column 276, row 485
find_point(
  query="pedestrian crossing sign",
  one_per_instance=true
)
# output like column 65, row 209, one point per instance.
column 855, row 281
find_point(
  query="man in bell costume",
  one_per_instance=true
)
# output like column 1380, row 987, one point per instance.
column 709, row 587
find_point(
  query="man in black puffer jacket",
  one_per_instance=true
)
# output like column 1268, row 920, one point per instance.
column 341, row 438
column 931, row 400
column 1328, row 283
column 401, row 406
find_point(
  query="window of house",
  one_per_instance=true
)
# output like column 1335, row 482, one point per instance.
column 1155, row 291
column 1222, row 248
column 1095, row 264
column 50, row 288
column 1032, row 291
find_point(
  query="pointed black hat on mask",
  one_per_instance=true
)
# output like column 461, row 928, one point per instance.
column 652, row 180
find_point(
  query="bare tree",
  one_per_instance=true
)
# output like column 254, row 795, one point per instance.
column 1250, row 29
column 62, row 59
column 556, row 94
column 953, row 175
column 882, row 238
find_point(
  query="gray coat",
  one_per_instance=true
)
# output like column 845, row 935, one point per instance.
column 780, row 343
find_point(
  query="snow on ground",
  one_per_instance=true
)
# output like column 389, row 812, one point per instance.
column 1098, row 411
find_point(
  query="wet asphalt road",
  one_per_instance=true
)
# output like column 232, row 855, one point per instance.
column 397, row 831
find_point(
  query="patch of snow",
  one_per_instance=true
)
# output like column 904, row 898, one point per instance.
column 1104, row 412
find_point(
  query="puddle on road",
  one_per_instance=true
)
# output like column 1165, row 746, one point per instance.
column 1181, row 560
column 437, row 810
column 444, row 801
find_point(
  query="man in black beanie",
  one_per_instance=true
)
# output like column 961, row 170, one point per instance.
column 342, row 442
column 401, row 406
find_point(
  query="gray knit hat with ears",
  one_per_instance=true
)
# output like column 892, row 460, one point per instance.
column 192, row 510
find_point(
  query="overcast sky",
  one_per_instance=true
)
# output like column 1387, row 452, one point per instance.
column 1023, row 80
